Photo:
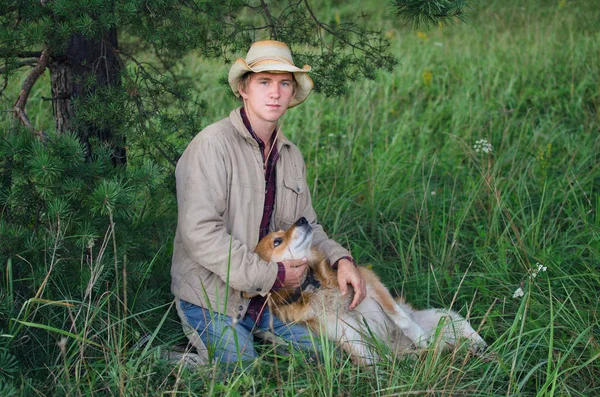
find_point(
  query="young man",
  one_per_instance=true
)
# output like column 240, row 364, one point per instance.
column 239, row 179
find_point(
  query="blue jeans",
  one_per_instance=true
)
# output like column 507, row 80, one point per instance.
column 232, row 341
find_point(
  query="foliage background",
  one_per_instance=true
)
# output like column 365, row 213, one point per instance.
column 394, row 176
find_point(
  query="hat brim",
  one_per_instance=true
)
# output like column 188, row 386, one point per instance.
column 304, row 83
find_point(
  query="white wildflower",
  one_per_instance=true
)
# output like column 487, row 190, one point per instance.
column 541, row 268
column 62, row 344
column 484, row 146
column 518, row 293
column 538, row 268
column 433, row 193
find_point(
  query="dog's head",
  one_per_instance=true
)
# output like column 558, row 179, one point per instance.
column 293, row 243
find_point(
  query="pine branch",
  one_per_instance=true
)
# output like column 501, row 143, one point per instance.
column 272, row 26
column 28, row 62
column 11, row 53
column 19, row 108
column 137, row 101
column 430, row 12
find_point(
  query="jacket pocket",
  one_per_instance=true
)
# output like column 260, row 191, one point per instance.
column 289, row 201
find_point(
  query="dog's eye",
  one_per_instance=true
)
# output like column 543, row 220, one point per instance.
column 277, row 241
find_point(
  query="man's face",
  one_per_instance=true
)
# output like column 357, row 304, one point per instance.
column 267, row 95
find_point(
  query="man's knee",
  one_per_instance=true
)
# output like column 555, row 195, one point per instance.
column 216, row 333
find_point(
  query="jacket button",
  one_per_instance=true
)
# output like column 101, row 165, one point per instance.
column 258, row 290
column 241, row 308
column 239, row 316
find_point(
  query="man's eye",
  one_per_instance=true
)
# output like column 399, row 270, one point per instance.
column 277, row 241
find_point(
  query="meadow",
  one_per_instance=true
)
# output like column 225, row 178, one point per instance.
column 467, row 178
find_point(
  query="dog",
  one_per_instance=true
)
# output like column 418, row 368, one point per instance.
column 318, row 303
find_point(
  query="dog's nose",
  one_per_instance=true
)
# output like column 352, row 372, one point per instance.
column 301, row 221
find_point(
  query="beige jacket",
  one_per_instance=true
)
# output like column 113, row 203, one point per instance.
column 220, row 199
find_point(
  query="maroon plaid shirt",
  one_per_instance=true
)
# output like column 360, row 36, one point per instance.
column 258, row 303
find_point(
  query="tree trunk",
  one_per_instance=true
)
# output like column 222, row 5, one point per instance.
column 85, row 60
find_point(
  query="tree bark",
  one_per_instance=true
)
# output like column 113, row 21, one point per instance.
column 84, row 59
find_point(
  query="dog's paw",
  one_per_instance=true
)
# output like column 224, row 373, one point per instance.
column 476, row 343
column 477, row 347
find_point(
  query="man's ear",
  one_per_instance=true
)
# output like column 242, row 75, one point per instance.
column 241, row 91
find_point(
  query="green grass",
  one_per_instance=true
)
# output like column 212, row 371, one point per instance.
column 395, row 177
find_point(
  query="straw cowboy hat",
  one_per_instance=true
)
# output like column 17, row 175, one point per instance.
column 271, row 56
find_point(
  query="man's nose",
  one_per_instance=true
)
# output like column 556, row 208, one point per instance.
column 274, row 92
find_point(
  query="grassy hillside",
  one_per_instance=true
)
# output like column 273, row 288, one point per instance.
column 469, row 175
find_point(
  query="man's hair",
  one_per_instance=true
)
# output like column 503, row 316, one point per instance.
column 243, row 83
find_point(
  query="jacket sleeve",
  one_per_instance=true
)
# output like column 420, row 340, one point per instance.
column 202, row 195
column 332, row 250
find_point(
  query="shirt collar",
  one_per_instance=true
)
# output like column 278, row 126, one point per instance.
column 236, row 119
column 248, row 126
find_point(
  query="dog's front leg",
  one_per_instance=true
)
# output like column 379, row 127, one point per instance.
column 409, row 327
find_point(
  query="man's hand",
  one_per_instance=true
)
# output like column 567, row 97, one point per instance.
column 349, row 274
column 295, row 272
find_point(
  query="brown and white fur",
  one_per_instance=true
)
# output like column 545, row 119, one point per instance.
column 378, row 316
